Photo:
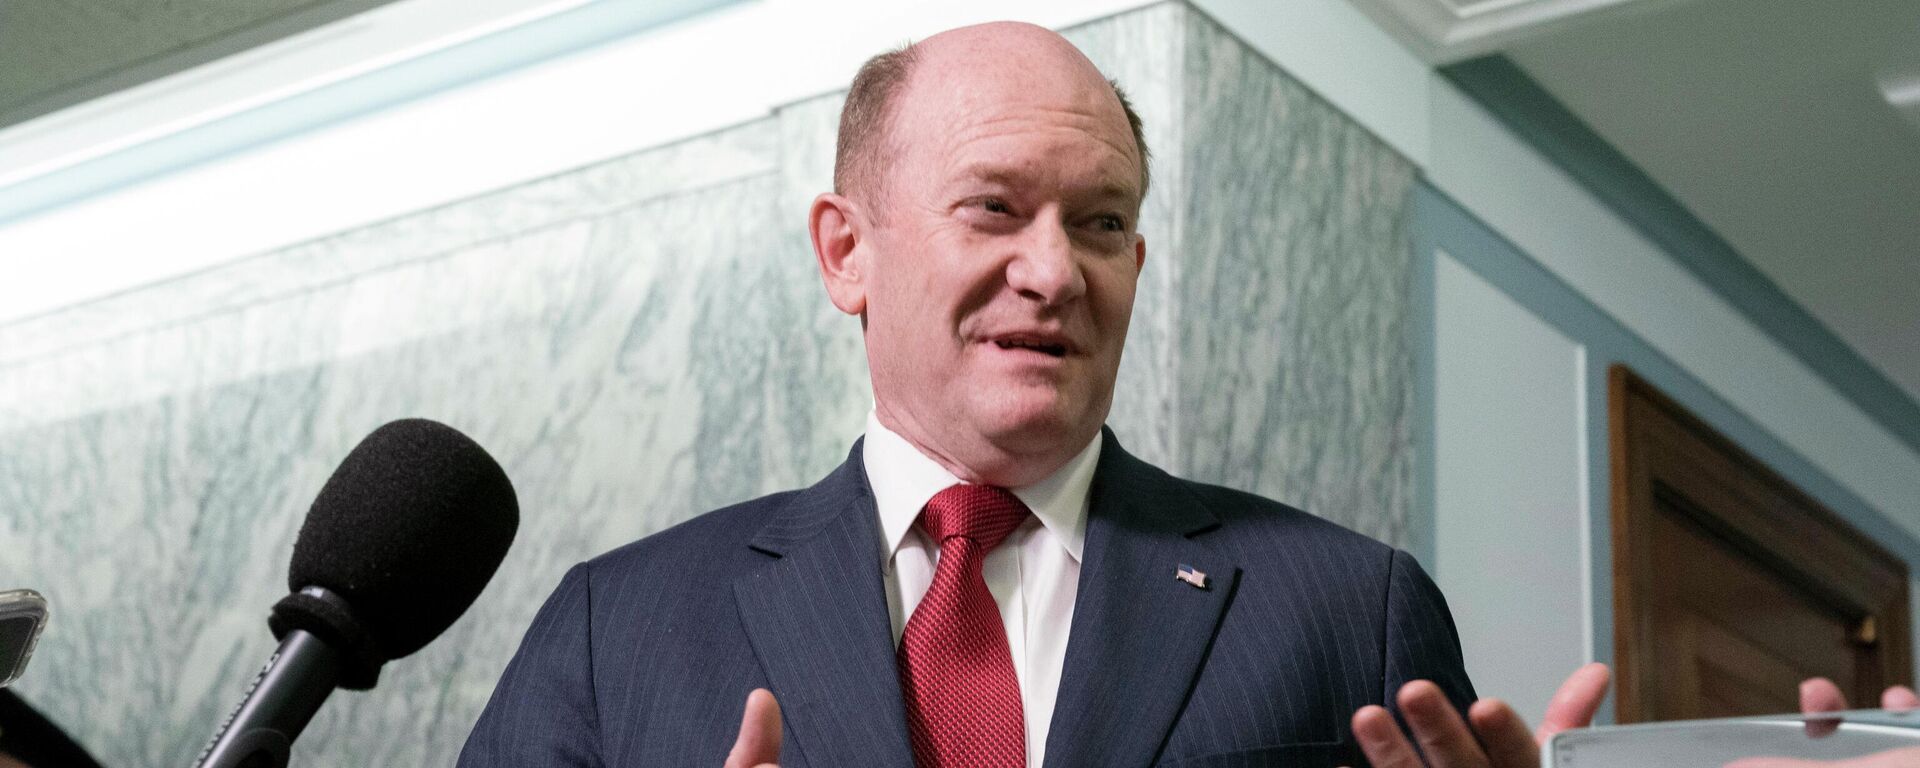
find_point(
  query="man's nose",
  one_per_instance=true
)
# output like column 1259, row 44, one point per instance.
column 1045, row 268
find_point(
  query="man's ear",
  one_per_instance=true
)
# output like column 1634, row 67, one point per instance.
column 838, row 232
column 1139, row 252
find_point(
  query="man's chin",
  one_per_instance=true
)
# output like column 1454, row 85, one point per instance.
column 1044, row 427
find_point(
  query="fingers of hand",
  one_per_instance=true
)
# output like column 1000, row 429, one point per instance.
column 1821, row 695
column 1503, row 734
column 759, row 741
column 1438, row 727
column 1818, row 728
column 1381, row 739
column 1899, row 697
column 1576, row 701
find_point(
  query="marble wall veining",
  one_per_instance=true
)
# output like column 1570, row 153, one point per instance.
column 1295, row 372
column 638, row 341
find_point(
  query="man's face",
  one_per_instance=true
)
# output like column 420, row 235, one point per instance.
column 1004, row 259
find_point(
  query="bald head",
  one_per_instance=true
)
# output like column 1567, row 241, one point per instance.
column 964, row 68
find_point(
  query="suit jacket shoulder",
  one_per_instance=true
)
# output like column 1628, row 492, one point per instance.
column 645, row 655
column 1301, row 623
column 706, row 545
column 1257, row 517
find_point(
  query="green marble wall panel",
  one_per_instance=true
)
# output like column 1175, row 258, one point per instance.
column 1293, row 378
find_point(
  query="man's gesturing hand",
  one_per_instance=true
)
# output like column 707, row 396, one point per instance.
column 1822, row 695
column 1502, row 738
column 759, row 742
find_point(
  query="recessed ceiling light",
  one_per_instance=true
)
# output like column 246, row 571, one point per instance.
column 1901, row 89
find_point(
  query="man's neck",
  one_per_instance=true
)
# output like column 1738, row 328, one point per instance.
column 903, row 479
column 982, row 462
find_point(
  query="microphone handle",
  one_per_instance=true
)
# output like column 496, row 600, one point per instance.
column 279, row 704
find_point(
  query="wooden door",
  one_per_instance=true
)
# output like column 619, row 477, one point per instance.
column 1730, row 585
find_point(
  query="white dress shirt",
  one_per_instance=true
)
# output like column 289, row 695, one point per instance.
column 1033, row 575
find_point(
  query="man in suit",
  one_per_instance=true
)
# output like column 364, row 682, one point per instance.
column 991, row 579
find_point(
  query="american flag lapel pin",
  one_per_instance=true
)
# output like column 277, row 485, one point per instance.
column 1191, row 575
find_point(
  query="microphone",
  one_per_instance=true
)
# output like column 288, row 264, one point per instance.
column 402, row 538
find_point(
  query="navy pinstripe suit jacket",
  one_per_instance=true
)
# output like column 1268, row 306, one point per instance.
column 644, row 656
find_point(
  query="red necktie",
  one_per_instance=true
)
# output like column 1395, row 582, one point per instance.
column 963, row 701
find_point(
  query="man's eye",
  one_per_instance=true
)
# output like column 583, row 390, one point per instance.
column 1111, row 224
column 995, row 205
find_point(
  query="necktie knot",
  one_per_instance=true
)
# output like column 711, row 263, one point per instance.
column 984, row 513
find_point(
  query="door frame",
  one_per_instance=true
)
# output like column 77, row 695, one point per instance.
column 1841, row 566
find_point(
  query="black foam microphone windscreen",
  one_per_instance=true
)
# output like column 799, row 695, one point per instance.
column 405, row 533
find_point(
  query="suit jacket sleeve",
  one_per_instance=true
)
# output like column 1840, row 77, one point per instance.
column 1421, row 642
column 543, row 711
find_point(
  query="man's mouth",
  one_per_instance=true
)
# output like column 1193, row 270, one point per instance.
column 1044, row 345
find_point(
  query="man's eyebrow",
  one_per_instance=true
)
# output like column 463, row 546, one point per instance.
column 1116, row 191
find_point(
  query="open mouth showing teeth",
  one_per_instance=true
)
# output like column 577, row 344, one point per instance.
column 1055, row 350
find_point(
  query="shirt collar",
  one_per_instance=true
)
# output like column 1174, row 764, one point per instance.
column 904, row 480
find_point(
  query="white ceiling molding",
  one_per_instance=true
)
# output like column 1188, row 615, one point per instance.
column 271, row 72
column 359, row 65
column 1446, row 31
column 61, row 54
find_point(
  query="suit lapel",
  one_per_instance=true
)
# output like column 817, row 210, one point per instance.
column 1139, row 634
column 817, row 619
